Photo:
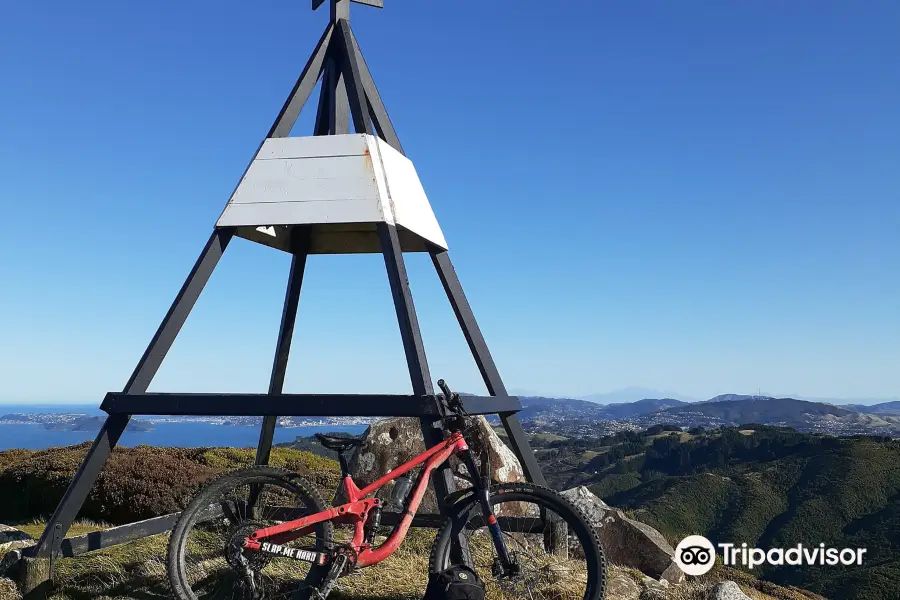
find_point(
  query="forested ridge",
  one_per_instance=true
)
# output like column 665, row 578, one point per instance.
column 766, row 486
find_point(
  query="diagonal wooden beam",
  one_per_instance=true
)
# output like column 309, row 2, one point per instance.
column 302, row 89
column 359, row 105
column 147, row 367
column 333, row 117
column 485, row 362
column 377, row 111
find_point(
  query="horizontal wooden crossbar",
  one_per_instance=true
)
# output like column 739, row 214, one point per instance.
column 97, row 540
column 106, row 538
column 297, row 405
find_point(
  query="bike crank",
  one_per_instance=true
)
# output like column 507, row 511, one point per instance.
column 337, row 567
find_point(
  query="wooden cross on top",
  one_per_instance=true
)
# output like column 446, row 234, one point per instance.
column 340, row 9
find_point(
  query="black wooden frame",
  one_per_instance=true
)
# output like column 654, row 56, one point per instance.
column 348, row 93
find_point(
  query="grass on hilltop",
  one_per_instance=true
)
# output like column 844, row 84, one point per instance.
column 136, row 571
column 32, row 482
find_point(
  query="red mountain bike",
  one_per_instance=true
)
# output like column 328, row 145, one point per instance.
column 264, row 533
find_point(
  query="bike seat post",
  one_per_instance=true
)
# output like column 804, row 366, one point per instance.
column 341, row 493
column 342, row 460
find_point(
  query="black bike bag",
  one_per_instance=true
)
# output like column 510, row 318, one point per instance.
column 458, row 582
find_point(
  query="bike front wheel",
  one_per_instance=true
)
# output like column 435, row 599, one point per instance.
column 206, row 559
column 555, row 552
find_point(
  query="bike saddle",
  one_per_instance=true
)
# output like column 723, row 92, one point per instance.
column 336, row 443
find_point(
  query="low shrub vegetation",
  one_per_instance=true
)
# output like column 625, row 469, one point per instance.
column 137, row 483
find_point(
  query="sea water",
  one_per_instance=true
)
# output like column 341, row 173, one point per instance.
column 186, row 434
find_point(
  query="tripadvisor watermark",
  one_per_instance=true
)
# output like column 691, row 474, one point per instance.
column 696, row 555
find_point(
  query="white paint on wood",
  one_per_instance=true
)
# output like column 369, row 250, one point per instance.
column 292, row 213
column 292, row 180
column 352, row 179
column 410, row 204
column 313, row 147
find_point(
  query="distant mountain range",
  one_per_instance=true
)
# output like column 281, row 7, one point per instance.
column 726, row 409
column 627, row 410
column 575, row 409
column 633, row 394
column 884, row 408
column 769, row 411
column 868, row 402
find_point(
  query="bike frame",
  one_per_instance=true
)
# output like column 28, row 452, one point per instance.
column 358, row 507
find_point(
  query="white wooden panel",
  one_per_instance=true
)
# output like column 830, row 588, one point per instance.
column 333, row 180
column 387, row 208
column 410, row 204
column 292, row 213
column 310, row 147
column 300, row 180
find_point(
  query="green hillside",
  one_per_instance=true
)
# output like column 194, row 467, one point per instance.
column 760, row 409
column 768, row 487
column 144, row 481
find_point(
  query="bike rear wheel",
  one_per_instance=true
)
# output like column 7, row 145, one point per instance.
column 557, row 553
column 206, row 559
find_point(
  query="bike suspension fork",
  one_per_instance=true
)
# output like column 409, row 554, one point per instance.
column 483, row 493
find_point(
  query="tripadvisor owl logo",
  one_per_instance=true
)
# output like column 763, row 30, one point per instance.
column 695, row 555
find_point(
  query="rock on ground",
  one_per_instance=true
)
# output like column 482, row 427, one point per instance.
column 11, row 534
column 389, row 443
column 659, row 587
column 622, row 587
column 12, row 541
column 626, row 541
column 727, row 590
column 651, row 594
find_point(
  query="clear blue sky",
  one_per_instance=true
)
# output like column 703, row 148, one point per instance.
column 693, row 196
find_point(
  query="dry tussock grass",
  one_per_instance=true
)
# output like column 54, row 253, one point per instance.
column 133, row 570
column 8, row 590
column 402, row 576
column 136, row 571
column 697, row 588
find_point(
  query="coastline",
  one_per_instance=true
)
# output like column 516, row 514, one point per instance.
column 189, row 434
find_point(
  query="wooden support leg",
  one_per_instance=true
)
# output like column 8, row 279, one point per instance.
column 300, row 247
column 419, row 374
column 485, row 362
column 115, row 425
column 35, row 578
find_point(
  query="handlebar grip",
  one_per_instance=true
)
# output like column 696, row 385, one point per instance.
column 448, row 395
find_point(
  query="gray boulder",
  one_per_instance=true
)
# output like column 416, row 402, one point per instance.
column 627, row 542
column 389, row 443
column 655, row 589
column 12, row 541
column 652, row 594
column 622, row 587
column 727, row 590
column 11, row 534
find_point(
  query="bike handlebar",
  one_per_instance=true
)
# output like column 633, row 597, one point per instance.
column 451, row 398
